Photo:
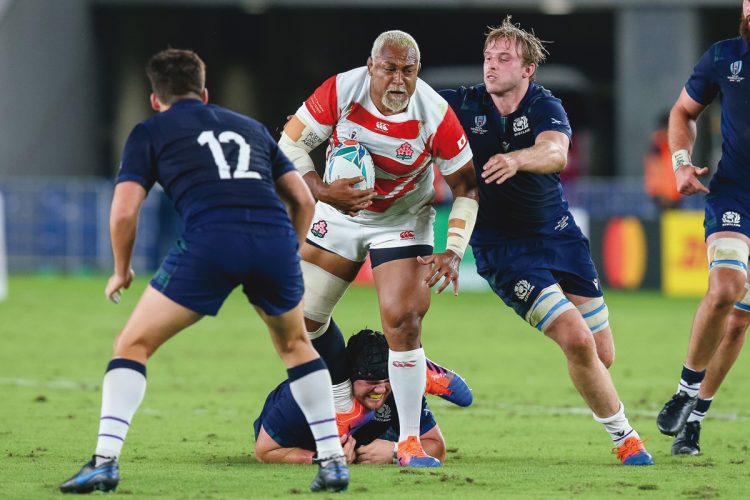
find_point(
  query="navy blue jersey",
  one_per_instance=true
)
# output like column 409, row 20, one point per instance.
column 284, row 421
column 519, row 206
column 214, row 164
column 724, row 71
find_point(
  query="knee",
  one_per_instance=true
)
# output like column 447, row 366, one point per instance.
column 578, row 345
column 404, row 327
column 724, row 295
column 736, row 328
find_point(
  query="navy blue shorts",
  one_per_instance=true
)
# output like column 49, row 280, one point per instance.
column 726, row 210
column 517, row 270
column 207, row 263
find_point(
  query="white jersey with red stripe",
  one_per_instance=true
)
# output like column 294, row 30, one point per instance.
column 403, row 146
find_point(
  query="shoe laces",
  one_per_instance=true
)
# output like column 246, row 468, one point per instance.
column 411, row 448
column 437, row 380
column 631, row 446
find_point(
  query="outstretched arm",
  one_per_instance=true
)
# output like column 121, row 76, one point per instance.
column 269, row 451
column 681, row 133
column 463, row 185
column 548, row 155
column 123, row 222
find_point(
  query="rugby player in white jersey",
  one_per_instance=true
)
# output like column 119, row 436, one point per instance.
column 406, row 126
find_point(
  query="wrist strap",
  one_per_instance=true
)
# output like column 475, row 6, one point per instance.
column 680, row 158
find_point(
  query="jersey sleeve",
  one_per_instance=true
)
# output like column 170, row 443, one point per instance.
column 426, row 419
column 280, row 164
column 320, row 111
column 138, row 162
column 450, row 147
column 701, row 85
column 549, row 115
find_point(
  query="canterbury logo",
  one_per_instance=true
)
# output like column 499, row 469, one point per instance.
column 407, row 235
column 404, row 364
column 381, row 126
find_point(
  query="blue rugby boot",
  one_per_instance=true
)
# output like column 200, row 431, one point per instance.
column 632, row 452
column 411, row 454
column 333, row 475
column 674, row 415
column 448, row 385
column 91, row 477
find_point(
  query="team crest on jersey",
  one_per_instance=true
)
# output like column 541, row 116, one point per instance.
column 319, row 229
column 520, row 125
column 383, row 414
column 523, row 289
column 735, row 68
column 730, row 219
column 479, row 122
column 404, row 151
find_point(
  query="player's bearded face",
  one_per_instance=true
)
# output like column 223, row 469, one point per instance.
column 371, row 393
column 393, row 78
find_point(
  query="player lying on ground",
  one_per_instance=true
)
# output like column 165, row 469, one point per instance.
column 370, row 434
column 407, row 128
column 227, row 178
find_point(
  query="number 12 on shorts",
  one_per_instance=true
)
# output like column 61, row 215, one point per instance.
column 243, row 159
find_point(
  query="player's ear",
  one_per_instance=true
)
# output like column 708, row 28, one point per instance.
column 369, row 66
column 204, row 96
column 155, row 104
column 529, row 70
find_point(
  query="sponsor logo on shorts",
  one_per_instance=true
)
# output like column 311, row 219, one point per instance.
column 523, row 289
column 405, row 364
column 479, row 122
column 319, row 229
column 735, row 68
column 383, row 414
column 596, row 283
column 520, row 125
column 407, row 235
column 730, row 219
column 562, row 223
column 404, row 151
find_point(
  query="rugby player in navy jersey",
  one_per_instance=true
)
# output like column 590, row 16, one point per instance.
column 723, row 315
column 281, row 437
column 227, row 179
column 526, row 243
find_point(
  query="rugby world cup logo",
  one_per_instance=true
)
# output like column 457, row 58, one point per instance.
column 479, row 122
column 735, row 68
column 523, row 289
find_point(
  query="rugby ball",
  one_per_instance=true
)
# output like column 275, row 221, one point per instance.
column 350, row 159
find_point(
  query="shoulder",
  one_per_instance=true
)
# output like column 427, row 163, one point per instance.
column 731, row 48
column 541, row 98
column 465, row 98
column 352, row 79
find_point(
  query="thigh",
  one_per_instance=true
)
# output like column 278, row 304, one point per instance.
column 155, row 319
column 403, row 294
column 401, row 237
column 516, row 272
column 337, row 233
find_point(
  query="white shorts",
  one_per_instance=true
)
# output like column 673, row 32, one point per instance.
column 345, row 236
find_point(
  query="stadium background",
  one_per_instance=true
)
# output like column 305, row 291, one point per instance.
column 71, row 88
column 74, row 87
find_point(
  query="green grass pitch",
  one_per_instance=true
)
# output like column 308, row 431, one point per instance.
column 528, row 433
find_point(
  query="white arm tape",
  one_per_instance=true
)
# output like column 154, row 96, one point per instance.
column 464, row 209
column 680, row 158
column 298, row 152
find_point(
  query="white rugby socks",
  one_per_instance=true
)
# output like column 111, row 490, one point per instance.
column 408, row 373
column 310, row 384
column 618, row 426
column 123, row 389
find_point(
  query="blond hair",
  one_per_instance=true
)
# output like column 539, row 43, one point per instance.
column 394, row 38
column 529, row 45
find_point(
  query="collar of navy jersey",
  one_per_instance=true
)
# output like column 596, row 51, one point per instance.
column 187, row 102
column 486, row 101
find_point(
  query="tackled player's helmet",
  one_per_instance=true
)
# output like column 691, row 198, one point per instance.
column 367, row 355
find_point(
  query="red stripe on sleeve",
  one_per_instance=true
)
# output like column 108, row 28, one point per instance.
column 449, row 138
column 323, row 104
